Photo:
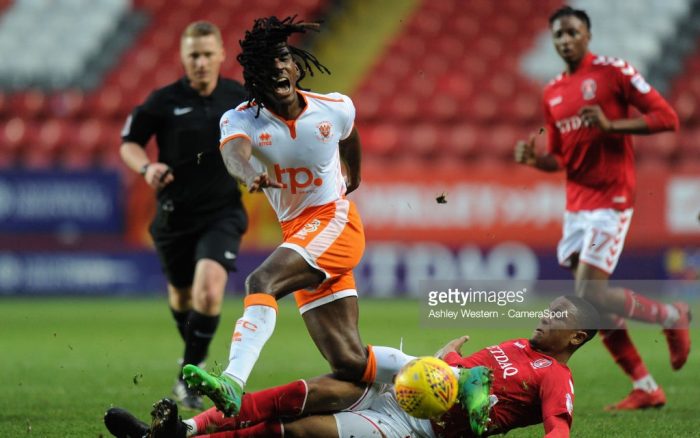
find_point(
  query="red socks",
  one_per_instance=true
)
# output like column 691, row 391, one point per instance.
column 271, row 429
column 645, row 309
column 623, row 350
column 269, row 404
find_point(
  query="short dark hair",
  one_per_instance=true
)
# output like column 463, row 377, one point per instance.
column 261, row 45
column 587, row 316
column 568, row 11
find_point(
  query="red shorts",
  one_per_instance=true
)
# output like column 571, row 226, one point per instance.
column 330, row 237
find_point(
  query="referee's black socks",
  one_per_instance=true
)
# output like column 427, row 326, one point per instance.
column 181, row 317
column 199, row 333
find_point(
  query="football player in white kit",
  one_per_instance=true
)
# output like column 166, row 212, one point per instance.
column 289, row 144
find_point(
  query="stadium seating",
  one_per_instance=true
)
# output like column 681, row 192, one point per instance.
column 473, row 72
column 80, row 128
column 450, row 82
column 449, row 88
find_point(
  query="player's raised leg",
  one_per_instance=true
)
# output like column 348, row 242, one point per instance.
column 282, row 272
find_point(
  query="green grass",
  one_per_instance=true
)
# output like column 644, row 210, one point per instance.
column 64, row 361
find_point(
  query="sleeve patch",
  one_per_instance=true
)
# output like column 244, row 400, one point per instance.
column 640, row 84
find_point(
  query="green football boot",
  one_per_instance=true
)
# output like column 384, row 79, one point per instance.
column 222, row 390
column 473, row 395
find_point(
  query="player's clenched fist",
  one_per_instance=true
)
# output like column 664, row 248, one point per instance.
column 525, row 151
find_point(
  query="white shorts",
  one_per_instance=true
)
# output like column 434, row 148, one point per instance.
column 596, row 235
column 383, row 419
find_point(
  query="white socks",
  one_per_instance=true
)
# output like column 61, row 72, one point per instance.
column 252, row 331
column 389, row 362
column 191, row 427
column 646, row 384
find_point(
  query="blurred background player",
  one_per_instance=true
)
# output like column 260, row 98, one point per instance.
column 535, row 387
column 588, row 124
column 289, row 144
column 199, row 219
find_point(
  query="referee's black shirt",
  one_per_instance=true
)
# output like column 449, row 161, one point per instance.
column 186, row 126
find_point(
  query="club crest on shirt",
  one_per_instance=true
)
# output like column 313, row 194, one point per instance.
column 541, row 363
column 588, row 88
column 323, row 131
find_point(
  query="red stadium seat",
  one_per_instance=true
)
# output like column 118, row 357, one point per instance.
column 499, row 141
column 16, row 134
column 403, row 107
column 380, row 140
column 463, row 141
column 441, row 108
column 53, row 135
column 67, row 104
column 424, row 139
column 31, row 104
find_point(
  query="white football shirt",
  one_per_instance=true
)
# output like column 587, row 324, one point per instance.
column 302, row 154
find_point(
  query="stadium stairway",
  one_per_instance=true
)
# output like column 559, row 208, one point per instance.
column 354, row 36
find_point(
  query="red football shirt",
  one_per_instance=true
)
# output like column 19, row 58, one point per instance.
column 528, row 387
column 599, row 166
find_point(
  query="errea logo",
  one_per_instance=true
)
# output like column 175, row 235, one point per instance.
column 265, row 139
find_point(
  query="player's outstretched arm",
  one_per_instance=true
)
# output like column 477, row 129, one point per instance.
column 556, row 426
column 454, row 346
column 236, row 155
column 351, row 154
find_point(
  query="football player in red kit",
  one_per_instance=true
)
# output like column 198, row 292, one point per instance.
column 589, row 125
column 531, row 385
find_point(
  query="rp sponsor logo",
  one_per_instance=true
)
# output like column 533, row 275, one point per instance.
column 324, row 131
column 265, row 139
column 300, row 179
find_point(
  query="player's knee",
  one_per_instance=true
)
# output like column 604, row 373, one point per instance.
column 208, row 300
column 349, row 366
column 259, row 281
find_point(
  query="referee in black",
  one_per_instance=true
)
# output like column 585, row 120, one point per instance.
column 199, row 221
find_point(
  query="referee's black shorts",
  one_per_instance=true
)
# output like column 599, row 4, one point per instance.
column 182, row 242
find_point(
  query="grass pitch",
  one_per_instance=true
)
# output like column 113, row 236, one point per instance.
column 65, row 361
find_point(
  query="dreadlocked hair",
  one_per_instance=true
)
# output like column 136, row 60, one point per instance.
column 261, row 45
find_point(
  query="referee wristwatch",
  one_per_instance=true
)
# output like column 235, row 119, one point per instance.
column 144, row 168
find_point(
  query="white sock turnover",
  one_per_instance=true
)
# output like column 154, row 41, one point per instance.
column 252, row 331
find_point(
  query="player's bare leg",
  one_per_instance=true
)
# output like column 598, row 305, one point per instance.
column 592, row 284
column 317, row 426
column 333, row 328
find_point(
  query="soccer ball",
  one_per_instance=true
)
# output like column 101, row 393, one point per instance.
column 426, row 387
